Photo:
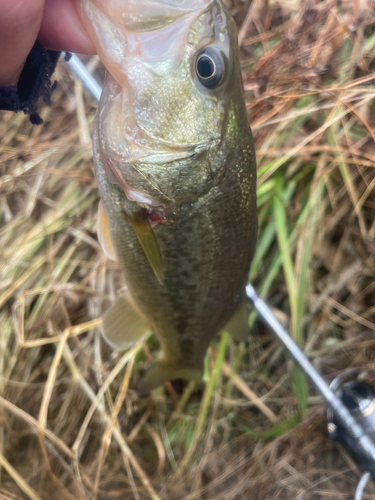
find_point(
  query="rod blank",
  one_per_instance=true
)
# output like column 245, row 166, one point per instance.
column 87, row 79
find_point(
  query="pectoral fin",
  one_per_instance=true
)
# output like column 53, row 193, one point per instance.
column 104, row 235
column 238, row 325
column 159, row 373
column 148, row 241
column 123, row 325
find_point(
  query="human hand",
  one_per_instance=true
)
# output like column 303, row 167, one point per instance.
column 54, row 22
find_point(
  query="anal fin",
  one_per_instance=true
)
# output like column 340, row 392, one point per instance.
column 123, row 325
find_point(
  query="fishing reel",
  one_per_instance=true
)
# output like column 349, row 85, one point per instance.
column 355, row 387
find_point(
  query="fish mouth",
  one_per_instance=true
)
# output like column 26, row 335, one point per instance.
column 141, row 150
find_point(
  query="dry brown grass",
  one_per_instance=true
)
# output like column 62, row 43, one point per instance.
column 71, row 426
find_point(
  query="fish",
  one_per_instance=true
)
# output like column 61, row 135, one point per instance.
column 176, row 169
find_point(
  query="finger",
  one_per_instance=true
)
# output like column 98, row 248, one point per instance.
column 61, row 28
column 19, row 26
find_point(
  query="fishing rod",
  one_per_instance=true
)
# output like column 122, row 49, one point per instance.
column 351, row 403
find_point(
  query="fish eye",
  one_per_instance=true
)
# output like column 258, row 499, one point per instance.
column 210, row 67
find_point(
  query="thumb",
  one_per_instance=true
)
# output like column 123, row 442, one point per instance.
column 19, row 26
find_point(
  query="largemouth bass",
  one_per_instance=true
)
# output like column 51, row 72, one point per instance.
column 175, row 163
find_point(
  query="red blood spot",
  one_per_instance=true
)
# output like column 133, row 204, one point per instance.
column 154, row 216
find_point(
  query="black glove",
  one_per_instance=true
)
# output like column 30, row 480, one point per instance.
column 34, row 84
